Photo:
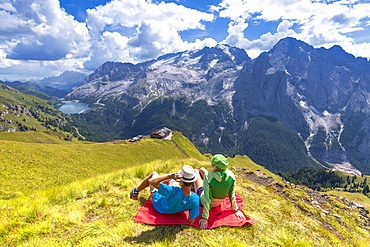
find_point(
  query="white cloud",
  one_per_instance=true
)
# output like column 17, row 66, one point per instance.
column 284, row 26
column 254, row 48
column 8, row 7
column 36, row 33
column 236, row 33
column 320, row 23
column 153, row 39
column 132, row 13
column 38, row 38
column 42, row 31
column 157, row 28
column 110, row 47
column 4, row 62
column 198, row 44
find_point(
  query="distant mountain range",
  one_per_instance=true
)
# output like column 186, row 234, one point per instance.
column 290, row 106
column 65, row 81
column 57, row 86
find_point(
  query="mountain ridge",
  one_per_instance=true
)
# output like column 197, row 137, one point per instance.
column 318, row 88
column 308, row 89
column 65, row 81
column 191, row 71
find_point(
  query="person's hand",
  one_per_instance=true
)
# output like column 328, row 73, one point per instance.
column 203, row 223
column 240, row 215
column 176, row 175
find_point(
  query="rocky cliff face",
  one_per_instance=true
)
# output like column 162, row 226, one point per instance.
column 315, row 88
column 321, row 94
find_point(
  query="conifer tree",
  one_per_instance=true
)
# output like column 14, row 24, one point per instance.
column 366, row 190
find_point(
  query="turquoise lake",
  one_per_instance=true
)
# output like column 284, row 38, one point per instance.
column 71, row 107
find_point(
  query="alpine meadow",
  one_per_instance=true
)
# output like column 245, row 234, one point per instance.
column 293, row 123
column 77, row 194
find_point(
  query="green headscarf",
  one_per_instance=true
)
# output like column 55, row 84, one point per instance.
column 220, row 161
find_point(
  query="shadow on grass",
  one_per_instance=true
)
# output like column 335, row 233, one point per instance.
column 142, row 200
column 159, row 234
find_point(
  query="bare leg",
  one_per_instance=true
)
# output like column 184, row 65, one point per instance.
column 199, row 182
column 145, row 182
column 202, row 171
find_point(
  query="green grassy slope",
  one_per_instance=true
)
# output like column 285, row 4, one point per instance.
column 98, row 212
column 46, row 136
column 23, row 112
column 356, row 197
column 93, row 208
column 26, row 167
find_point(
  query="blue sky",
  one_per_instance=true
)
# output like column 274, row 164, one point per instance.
column 41, row 38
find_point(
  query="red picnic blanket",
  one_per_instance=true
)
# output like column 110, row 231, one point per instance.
column 221, row 215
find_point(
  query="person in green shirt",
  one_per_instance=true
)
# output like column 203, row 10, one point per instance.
column 213, row 187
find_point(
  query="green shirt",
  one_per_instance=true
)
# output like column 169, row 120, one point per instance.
column 217, row 185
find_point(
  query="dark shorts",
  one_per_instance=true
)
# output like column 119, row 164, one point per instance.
column 200, row 190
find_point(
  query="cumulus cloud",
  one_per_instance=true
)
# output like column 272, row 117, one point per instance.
column 132, row 13
column 267, row 40
column 236, row 32
column 157, row 28
column 34, row 31
column 39, row 38
column 42, row 49
column 153, row 39
column 110, row 47
column 43, row 31
column 320, row 23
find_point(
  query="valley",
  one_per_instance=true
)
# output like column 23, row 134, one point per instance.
column 270, row 108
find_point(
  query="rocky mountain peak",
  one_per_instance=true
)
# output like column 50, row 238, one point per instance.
column 195, row 74
column 291, row 45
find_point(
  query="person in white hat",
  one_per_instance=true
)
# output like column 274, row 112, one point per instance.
column 170, row 199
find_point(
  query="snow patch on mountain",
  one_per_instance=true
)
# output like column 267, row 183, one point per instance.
column 226, row 49
column 207, row 74
column 213, row 63
column 315, row 119
column 329, row 122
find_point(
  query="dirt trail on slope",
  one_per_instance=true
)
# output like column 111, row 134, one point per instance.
column 169, row 137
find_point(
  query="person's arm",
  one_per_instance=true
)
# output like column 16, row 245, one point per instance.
column 155, row 182
column 207, row 200
column 231, row 195
column 195, row 210
column 234, row 205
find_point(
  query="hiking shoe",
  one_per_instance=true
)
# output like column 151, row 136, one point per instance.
column 134, row 194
